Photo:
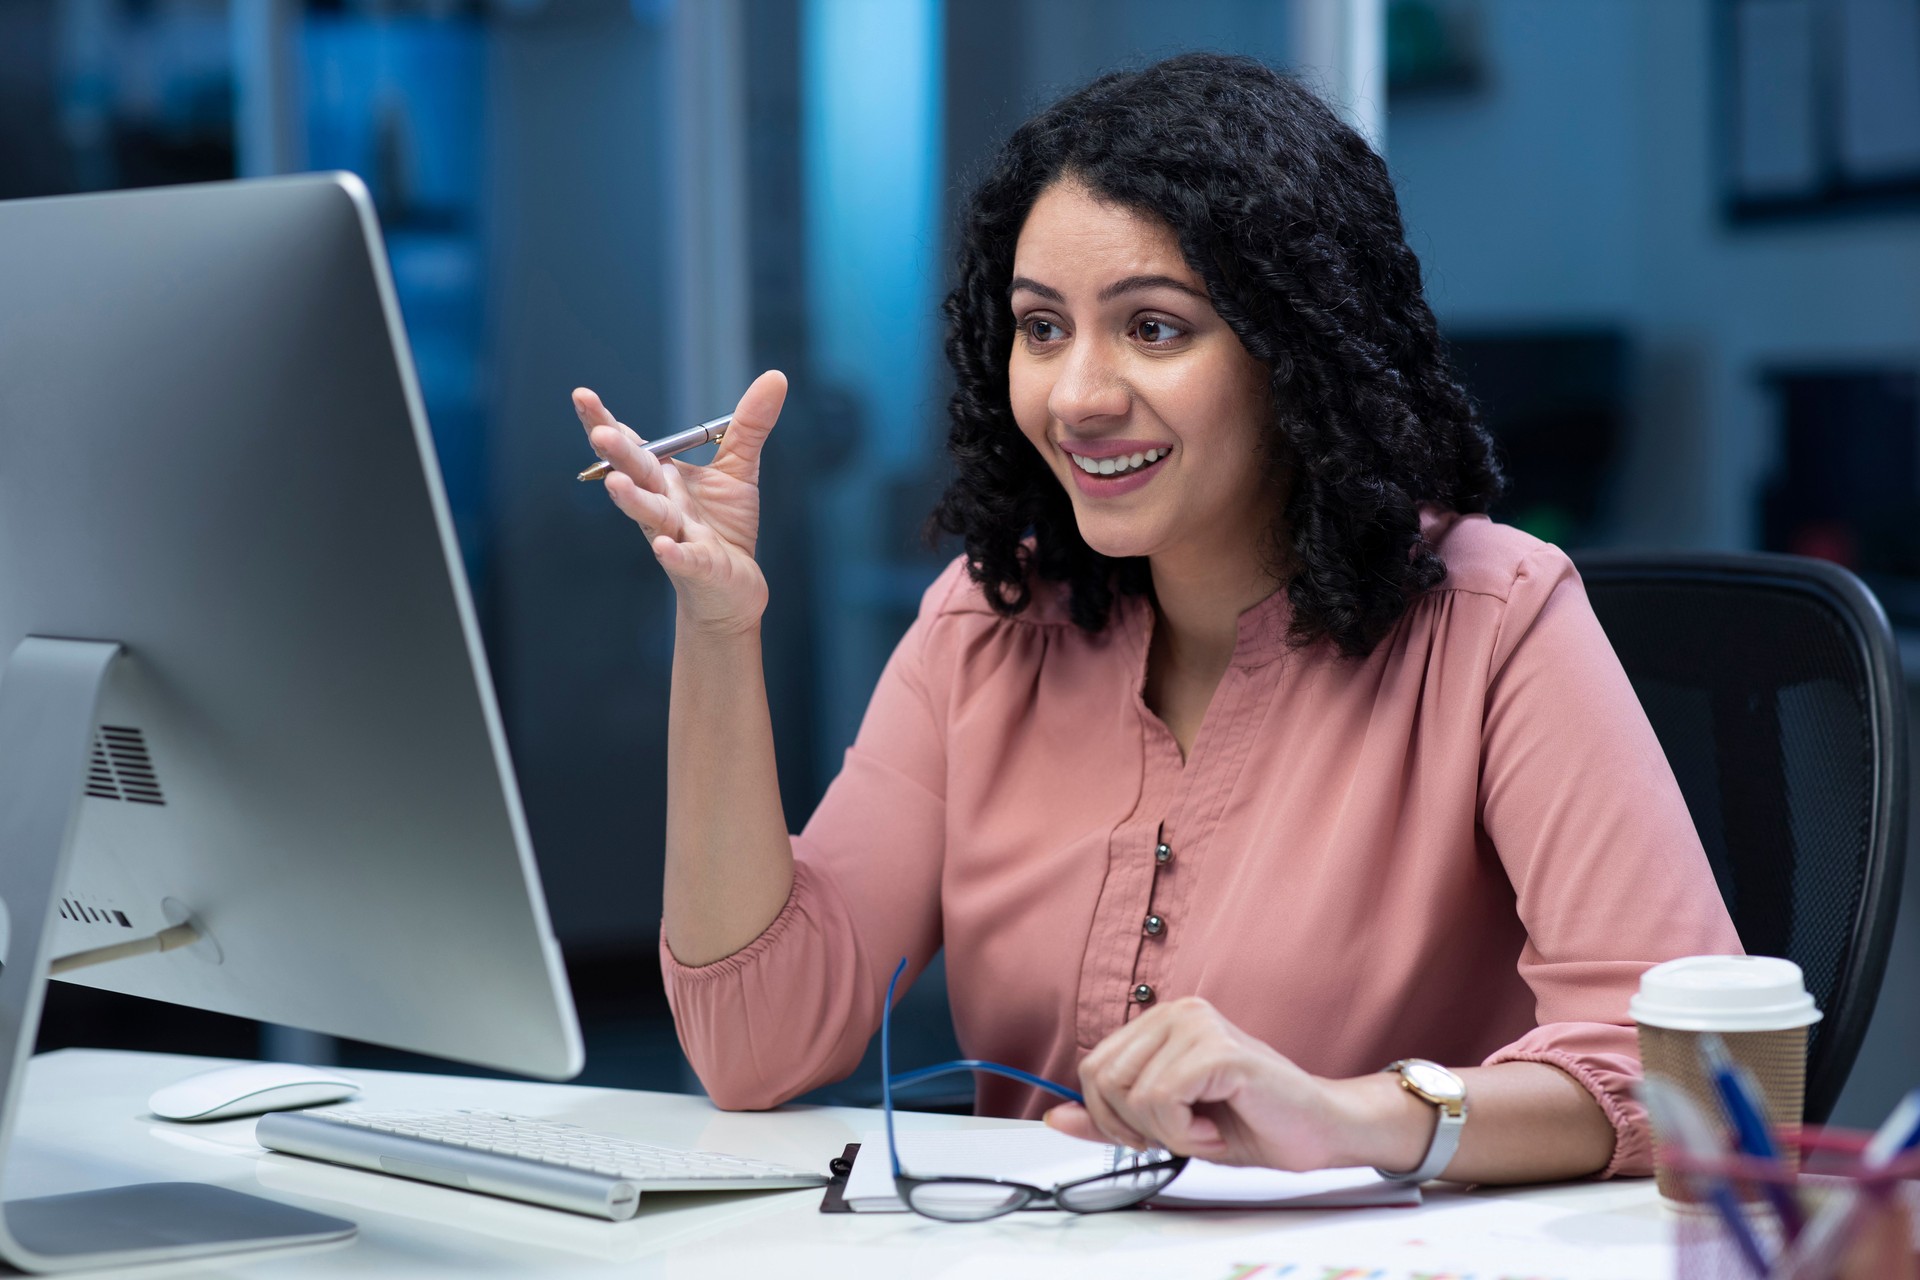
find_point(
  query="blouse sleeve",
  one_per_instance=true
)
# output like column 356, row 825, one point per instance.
column 1608, row 872
column 795, row 1008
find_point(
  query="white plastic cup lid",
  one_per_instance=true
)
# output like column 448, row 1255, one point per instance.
column 1724, row 993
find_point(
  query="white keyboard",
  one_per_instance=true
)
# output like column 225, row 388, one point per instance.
column 558, row 1165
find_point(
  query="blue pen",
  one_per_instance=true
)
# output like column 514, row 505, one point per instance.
column 1746, row 1112
column 1680, row 1123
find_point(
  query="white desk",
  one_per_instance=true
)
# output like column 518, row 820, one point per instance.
column 84, row 1123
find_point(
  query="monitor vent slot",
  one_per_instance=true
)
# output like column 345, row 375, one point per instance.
column 81, row 914
column 100, row 780
column 121, row 768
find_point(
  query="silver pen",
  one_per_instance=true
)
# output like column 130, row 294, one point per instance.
column 667, row 446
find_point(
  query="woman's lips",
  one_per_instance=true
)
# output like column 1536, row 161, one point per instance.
column 1098, row 486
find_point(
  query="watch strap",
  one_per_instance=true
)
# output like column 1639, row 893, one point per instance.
column 1450, row 1120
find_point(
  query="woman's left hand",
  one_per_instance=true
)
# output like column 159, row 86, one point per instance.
column 1183, row 1078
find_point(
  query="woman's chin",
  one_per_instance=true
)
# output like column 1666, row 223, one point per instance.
column 1121, row 534
column 1117, row 544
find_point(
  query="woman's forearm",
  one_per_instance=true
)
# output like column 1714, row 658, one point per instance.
column 1526, row 1122
column 1181, row 1076
column 729, row 860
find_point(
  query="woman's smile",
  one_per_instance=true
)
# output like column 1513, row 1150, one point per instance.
column 1109, row 468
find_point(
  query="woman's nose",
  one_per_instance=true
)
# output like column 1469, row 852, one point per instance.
column 1090, row 386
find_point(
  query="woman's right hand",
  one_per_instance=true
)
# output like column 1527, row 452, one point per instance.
column 702, row 522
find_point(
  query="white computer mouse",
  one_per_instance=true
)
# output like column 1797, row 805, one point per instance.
column 249, row 1090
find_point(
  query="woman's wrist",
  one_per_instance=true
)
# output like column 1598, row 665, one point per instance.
column 692, row 625
column 1385, row 1126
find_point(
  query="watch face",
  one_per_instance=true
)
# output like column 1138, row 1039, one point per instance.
column 1433, row 1079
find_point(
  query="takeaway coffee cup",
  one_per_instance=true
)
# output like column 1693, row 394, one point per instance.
column 1757, row 1005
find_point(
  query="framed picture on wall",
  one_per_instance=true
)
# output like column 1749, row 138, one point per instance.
column 1819, row 106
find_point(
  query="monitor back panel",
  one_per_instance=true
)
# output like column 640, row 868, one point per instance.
column 212, row 451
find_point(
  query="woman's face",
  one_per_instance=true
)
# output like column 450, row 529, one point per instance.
column 1138, row 396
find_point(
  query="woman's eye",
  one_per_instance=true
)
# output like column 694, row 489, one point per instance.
column 1038, row 331
column 1158, row 333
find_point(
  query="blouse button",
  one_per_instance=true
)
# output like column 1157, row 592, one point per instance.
column 1143, row 994
column 1156, row 925
column 1162, row 854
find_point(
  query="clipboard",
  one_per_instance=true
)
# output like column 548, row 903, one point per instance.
column 835, row 1199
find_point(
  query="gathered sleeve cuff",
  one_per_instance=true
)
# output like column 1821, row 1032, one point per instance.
column 788, row 1012
column 1605, row 1059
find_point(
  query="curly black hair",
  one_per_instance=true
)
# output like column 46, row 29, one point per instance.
column 1289, row 217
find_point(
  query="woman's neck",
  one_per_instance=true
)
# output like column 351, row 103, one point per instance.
column 1198, row 600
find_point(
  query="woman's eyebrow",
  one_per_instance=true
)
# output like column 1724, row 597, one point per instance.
column 1034, row 286
column 1133, row 284
column 1130, row 284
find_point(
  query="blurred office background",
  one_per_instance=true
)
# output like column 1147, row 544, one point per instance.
column 1675, row 245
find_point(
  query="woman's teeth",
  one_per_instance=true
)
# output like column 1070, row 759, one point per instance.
column 1118, row 466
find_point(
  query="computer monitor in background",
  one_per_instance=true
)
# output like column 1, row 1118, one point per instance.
column 1846, row 475
column 243, row 685
column 1556, row 401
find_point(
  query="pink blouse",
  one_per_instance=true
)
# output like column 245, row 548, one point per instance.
column 1464, row 847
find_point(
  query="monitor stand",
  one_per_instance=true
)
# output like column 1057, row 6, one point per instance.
column 49, row 695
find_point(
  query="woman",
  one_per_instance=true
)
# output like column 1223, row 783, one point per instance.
column 1239, row 755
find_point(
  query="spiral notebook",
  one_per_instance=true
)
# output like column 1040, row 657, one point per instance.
column 1046, row 1158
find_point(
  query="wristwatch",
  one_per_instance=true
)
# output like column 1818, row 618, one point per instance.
column 1431, row 1082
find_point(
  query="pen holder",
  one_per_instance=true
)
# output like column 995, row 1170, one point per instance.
column 1880, row 1243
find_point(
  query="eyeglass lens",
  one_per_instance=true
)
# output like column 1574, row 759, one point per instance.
column 966, row 1201
column 1116, row 1190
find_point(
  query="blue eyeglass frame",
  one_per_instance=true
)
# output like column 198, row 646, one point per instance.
column 905, row 1183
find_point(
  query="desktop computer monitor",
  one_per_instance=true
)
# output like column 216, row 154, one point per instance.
column 225, row 548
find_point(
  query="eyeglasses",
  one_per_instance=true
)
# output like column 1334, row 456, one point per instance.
column 1136, row 1177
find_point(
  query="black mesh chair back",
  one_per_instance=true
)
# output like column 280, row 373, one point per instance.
column 1774, row 685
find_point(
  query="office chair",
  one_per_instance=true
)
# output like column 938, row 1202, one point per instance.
column 1774, row 685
